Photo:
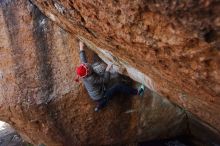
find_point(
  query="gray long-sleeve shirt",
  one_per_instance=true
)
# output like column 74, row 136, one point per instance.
column 94, row 83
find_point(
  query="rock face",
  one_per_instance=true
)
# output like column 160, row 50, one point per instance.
column 174, row 45
column 172, row 48
column 26, row 79
column 40, row 99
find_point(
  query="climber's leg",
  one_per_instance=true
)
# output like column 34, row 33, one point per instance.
column 114, row 90
column 120, row 88
column 117, row 89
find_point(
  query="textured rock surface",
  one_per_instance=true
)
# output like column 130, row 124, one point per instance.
column 26, row 81
column 39, row 98
column 175, row 44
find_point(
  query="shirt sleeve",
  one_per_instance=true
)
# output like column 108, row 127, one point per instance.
column 82, row 55
column 100, row 80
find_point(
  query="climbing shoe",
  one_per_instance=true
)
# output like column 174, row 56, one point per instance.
column 141, row 90
column 96, row 109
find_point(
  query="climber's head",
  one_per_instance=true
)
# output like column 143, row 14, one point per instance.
column 83, row 70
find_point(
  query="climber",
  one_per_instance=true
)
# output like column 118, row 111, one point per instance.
column 96, row 83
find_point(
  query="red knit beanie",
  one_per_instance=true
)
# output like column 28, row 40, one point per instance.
column 82, row 71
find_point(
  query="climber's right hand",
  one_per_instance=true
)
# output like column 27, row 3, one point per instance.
column 81, row 45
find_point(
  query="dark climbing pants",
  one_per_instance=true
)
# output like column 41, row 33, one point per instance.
column 116, row 89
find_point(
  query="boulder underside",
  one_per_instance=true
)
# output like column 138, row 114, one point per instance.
column 172, row 48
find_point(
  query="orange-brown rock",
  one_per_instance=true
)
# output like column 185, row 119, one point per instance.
column 40, row 99
column 174, row 44
column 173, row 48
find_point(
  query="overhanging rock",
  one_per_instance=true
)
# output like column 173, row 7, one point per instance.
column 153, row 46
column 40, row 99
column 174, row 46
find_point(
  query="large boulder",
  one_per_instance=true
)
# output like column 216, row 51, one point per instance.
column 170, row 46
column 38, row 95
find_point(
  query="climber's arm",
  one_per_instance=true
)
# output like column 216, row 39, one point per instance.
column 105, row 78
column 101, row 80
column 82, row 53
